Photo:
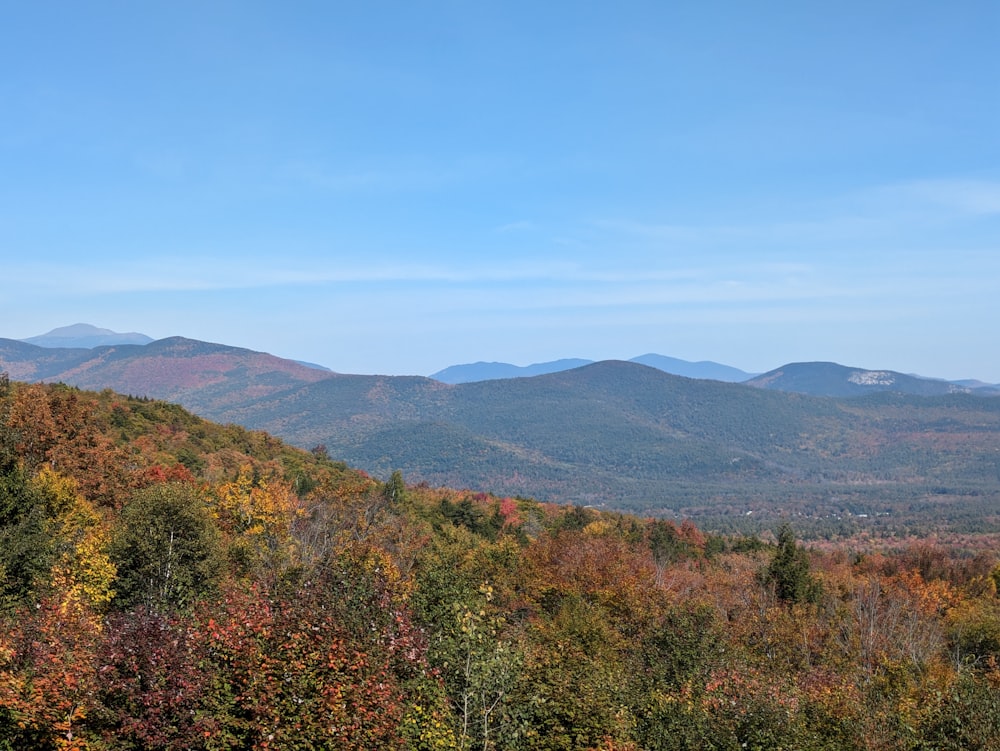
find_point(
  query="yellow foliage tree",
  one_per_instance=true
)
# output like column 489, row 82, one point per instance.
column 83, row 573
column 258, row 514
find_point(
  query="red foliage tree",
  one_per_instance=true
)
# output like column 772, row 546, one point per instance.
column 153, row 683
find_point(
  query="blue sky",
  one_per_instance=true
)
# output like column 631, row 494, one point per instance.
column 395, row 187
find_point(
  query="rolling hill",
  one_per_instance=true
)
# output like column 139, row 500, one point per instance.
column 632, row 437
column 831, row 379
column 617, row 434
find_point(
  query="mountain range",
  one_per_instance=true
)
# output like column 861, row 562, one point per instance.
column 622, row 434
column 488, row 371
column 817, row 378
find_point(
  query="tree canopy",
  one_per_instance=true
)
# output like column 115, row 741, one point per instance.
column 173, row 584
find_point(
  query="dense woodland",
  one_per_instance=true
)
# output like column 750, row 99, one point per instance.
column 170, row 583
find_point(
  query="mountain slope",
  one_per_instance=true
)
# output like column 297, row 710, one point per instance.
column 831, row 379
column 29, row 362
column 702, row 369
column 633, row 437
column 202, row 376
column 599, row 433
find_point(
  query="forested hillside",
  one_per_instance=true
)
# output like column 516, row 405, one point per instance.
column 169, row 583
column 204, row 376
column 630, row 437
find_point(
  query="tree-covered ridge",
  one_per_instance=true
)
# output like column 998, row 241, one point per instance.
column 169, row 583
column 202, row 375
column 633, row 438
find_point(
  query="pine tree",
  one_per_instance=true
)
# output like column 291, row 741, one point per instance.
column 789, row 570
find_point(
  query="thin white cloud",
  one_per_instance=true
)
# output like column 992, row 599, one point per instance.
column 560, row 278
column 975, row 197
column 806, row 258
column 750, row 236
column 191, row 273
column 875, row 214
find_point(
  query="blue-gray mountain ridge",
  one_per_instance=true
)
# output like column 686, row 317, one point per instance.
column 489, row 371
column 85, row 336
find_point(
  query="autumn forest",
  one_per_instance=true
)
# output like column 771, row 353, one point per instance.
column 171, row 583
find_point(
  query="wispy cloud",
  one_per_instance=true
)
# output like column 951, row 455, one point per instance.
column 192, row 273
column 729, row 280
column 855, row 247
column 751, row 235
column 966, row 197
column 894, row 217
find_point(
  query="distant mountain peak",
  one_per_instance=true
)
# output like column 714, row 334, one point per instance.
column 488, row 371
column 492, row 371
column 79, row 329
column 85, row 336
column 833, row 379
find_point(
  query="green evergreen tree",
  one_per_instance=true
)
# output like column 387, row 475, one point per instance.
column 394, row 488
column 789, row 570
column 26, row 546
